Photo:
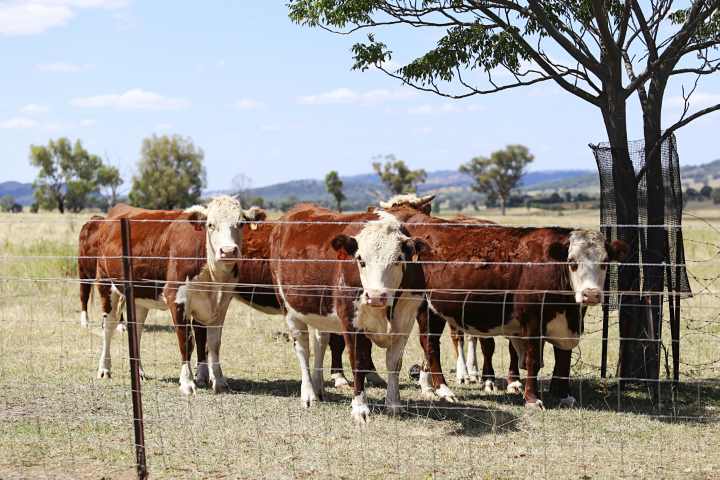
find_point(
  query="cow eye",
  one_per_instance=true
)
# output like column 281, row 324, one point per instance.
column 572, row 264
column 361, row 262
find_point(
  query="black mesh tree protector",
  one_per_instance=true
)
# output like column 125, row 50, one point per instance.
column 675, row 279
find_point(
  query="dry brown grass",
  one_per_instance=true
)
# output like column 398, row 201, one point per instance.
column 58, row 421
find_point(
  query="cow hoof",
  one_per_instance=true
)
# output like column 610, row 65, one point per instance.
column 568, row 402
column 536, row 405
column 473, row 377
column 489, row 386
column 188, row 388
column 219, row 385
column 143, row 377
column 307, row 395
column 444, row 393
column 462, row 379
column 360, row 410
column 340, row 380
column 83, row 320
column 202, row 375
column 103, row 373
column 515, row 388
column 375, row 380
column 121, row 328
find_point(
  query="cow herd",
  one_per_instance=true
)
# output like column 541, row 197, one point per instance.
column 351, row 281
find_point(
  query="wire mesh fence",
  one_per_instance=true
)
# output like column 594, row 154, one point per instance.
column 58, row 420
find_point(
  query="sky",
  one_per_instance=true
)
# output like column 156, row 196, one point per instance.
column 267, row 98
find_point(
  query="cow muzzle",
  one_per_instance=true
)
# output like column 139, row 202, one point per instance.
column 376, row 299
column 228, row 253
column 592, row 296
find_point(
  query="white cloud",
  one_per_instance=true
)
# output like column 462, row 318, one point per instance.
column 18, row 123
column 63, row 67
column 248, row 104
column 428, row 109
column 30, row 17
column 34, row 108
column 135, row 99
column 349, row 96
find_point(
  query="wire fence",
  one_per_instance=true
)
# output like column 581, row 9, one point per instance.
column 57, row 419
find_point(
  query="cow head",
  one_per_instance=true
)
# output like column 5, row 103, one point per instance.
column 223, row 218
column 381, row 251
column 587, row 255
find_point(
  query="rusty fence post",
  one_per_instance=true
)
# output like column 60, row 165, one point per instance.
column 133, row 352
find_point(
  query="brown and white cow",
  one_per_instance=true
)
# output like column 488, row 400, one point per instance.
column 529, row 284
column 371, row 295
column 182, row 262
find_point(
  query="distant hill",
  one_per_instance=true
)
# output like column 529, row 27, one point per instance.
column 23, row 192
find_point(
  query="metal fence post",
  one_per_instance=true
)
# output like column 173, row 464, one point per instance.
column 134, row 352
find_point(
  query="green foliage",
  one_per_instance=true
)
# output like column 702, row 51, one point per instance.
column 716, row 196
column 334, row 186
column 397, row 177
column 6, row 203
column 170, row 174
column 706, row 191
column 67, row 175
column 108, row 178
column 498, row 175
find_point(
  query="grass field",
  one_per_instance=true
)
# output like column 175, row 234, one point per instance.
column 58, row 421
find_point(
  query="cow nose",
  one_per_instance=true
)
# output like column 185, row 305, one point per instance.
column 376, row 299
column 229, row 252
column 591, row 296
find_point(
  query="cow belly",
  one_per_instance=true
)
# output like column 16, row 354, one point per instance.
column 323, row 323
column 474, row 327
column 559, row 334
column 150, row 304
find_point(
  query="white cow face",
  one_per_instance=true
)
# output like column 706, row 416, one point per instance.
column 587, row 255
column 223, row 219
column 381, row 251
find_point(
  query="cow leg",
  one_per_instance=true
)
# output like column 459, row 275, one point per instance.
column 337, row 346
column 533, row 355
column 430, row 327
column 121, row 327
column 487, row 345
column 301, row 344
column 320, row 342
column 140, row 317
column 185, row 343
column 393, row 362
column 109, row 321
column 472, row 363
column 560, row 383
column 372, row 377
column 202, row 374
column 515, row 347
column 359, row 350
column 217, row 379
column 86, row 286
column 458, row 340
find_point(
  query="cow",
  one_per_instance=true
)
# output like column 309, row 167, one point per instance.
column 182, row 262
column 352, row 273
column 529, row 284
column 256, row 290
column 466, row 367
column 88, row 245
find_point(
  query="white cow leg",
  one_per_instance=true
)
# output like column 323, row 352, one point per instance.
column 140, row 317
column 84, row 319
column 393, row 362
column 320, row 343
column 118, row 303
column 109, row 322
column 461, row 372
column 217, row 379
column 301, row 344
column 472, row 363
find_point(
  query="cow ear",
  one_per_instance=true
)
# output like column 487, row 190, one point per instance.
column 254, row 214
column 412, row 248
column 197, row 219
column 617, row 250
column 558, row 251
column 345, row 246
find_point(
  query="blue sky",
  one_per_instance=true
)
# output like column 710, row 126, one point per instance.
column 265, row 97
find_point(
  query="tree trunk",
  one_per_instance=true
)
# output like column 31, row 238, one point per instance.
column 631, row 359
column 502, row 206
column 61, row 204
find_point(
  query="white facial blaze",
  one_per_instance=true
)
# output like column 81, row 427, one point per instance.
column 379, row 257
column 587, row 262
column 224, row 217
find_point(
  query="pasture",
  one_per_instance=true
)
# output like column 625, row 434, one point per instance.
column 58, row 421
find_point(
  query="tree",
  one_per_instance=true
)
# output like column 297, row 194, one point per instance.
column 108, row 177
column 67, row 176
column 716, row 196
column 602, row 52
column 499, row 174
column 706, row 192
column 6, row 203
column 334, row 186
column 170, row 173
column 397, row 177
column 242, row 184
